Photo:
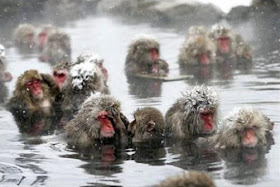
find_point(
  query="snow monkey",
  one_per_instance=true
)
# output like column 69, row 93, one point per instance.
column 244, row 127
column 24, row 35
column 144, row 57
column 194, row 114
column 189, row 179
column 148, row 124
column 99, row 119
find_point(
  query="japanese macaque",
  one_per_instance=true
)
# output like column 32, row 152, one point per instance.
column 224, row 40
column 245, row 127
column 58, row 48
column 33, row 91
column 86, row 78
column 189, row 179
column 148, row 125
column 98, row 120
column 96, row 59
column 144, row 58
column 43, row 35
column 194, row 114
column 197, row 50
column 243, row 50
column 24, row 35
column 61, row 75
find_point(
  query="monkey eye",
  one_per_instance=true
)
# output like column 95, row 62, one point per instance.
column 29, row 83
column 42, row 34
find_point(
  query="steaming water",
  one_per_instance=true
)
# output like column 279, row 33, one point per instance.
column 47, row 161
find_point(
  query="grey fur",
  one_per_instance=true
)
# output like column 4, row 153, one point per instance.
column 229, row 136
column 183, row 118
column 21, row 33
column 142, row 117
column 84, row 129
column 138, row 59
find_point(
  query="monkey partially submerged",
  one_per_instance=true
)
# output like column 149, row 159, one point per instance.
column 58, row 48
column 189, row 179
column 99, row 120
column 144, row 58
column 244, row 127
column 148, row 125
column 33, row 91
column 198, row 48
column 194, row 114
column 24, row 35
column 86, row 78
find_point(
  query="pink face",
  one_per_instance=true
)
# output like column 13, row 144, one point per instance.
column 107, row 130
column 35, row 88
column 224, row 44
column 30, row 38
column 60, row 77
column 249, row 138
column 204, row 59
column 207, row 116
column 154, row 54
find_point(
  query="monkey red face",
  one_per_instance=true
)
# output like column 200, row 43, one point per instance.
column 249, row 138
column 107, row 130
column 204, row 58
column 154, row 54
column 35, row 87
column 60, row 78
column 224, row 44
column 42, row 39
column 207, row 117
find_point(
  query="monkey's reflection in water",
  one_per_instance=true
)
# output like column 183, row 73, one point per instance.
column 194, row 157
column 36, row 123
column 103, row 161
column 244, row 166
column 144, row 88
column 202, row 74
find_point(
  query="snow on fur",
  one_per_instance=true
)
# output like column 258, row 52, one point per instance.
column 2, row 51
column 199, row 98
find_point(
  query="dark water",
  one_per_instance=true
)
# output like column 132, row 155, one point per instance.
column 46, row 160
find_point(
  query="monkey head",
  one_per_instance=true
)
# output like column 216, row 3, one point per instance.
column 200, row 108
column 198, row 50
column 61, row 74
column 24, row 34
column 95, row 59
column 148, row 124
column 85, row 76
column 197, row 30
column 244, row 127
column 29, row 85
column 98, row 119
column 223, row 37
column 43, row 35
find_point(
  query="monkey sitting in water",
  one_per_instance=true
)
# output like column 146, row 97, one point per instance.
column 98, row 120
column 144, row 58
column 58, row 48
column 198, row 48
column 24, row 35
column 245, row 127
column 148, row 125
column 87, row 78
column 189, row 179
column 194, row 114
column 33, row 92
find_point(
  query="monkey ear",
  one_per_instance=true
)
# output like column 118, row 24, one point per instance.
column 150, row 126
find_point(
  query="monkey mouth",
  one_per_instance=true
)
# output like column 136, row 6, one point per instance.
column 208, row 128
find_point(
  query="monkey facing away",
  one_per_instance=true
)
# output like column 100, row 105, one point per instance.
column 33, row 91
column 144, row 58
column 148, row 125
column 244, row 127
column 194, row 114
column 98, row 120
column 24, row 35
column 189, row 179
column 86, row 78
